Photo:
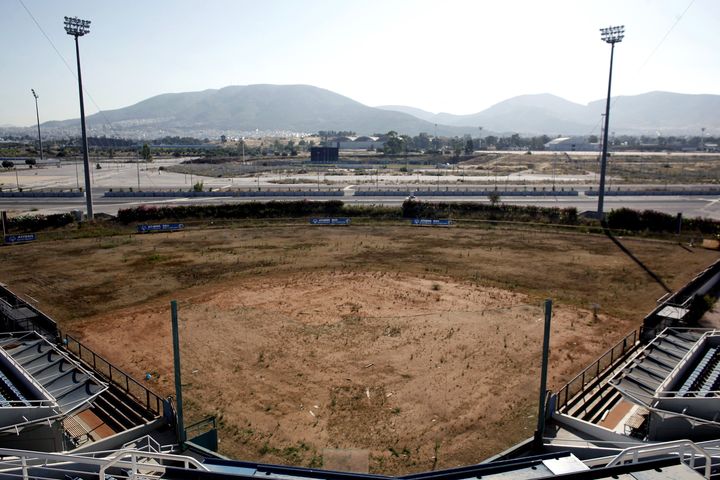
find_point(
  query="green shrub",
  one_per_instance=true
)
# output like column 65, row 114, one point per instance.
column 484, row 211
column 274, row 209
column 33, row 223
column 658, row 222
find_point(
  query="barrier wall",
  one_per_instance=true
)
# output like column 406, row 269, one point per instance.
column 465, row 193
column 651, row 193
column 233, row 193
column 41, row 194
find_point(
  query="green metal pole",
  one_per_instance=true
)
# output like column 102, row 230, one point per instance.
column 543, row 374
column 178, row 383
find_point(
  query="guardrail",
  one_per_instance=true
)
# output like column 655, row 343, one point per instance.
column 125, row 382
column 681, row 448
column 501, row 193
column 201, row 426
column 689, row 297
column 39, row 322
column 595, row 369
column 447, row 192
column 652, row 193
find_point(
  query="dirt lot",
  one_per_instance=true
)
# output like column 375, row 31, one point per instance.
column 622, row 167
column 419, row 345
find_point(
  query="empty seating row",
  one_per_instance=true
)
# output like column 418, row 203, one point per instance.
column 710, row 383
column 699, row 373
column 7, row 383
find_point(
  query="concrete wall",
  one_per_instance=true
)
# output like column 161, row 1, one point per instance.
column 230, row 193
column 465, row 193
column 41, row 194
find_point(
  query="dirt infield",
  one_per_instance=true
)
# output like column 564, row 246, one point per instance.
column 420, row 346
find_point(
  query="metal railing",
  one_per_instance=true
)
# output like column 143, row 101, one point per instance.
column 128, row 463
column 689, row 297
column 200, row 427
column 688, row 452
column 150, row 400
column 40, row 322
column 595, row 369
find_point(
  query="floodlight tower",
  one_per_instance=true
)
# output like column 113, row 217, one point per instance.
column 37, row 113
column 77, row 28
column 611, row 35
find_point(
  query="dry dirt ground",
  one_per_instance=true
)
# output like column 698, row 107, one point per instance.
column 624, row 168
column 420, row 345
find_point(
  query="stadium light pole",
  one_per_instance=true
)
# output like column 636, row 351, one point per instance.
column 37, row 114
column 611, row 35
column 77, row 28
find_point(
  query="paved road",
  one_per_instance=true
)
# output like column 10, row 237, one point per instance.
column 690, row 206
column 117, row 174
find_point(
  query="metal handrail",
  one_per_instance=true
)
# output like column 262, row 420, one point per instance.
column 137, row 456
column 593, row 371
column 26, row 459
column 124, row 381
column 677, row 447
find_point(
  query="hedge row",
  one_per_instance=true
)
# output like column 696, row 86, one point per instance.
column 271, row 209
column 620, row 219
column 34, row 223
column 485, row 211
column 299, row 209
column 653, row 221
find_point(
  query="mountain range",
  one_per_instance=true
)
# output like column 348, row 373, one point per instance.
column 265, row 109
column 649, row 113
column 244, row 110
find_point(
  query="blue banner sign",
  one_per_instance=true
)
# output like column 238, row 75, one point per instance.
column 444, row 222
column 25, row 237
column 160, row 227
column 330, row 221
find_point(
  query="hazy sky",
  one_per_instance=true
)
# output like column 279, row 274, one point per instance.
column 451, row 55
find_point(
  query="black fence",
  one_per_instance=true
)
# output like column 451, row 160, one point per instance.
column 596, row 369
column 689, row 297
column 144, row 396
column 17, row 314
column 692, row 298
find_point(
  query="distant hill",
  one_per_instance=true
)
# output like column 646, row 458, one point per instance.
column 664, row 112
column 278, row 109
column 416, row 112
column 266, row 108
column 648, row 113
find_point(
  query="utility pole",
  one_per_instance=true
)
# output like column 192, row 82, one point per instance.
column 77, row 28
column 37, row 114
